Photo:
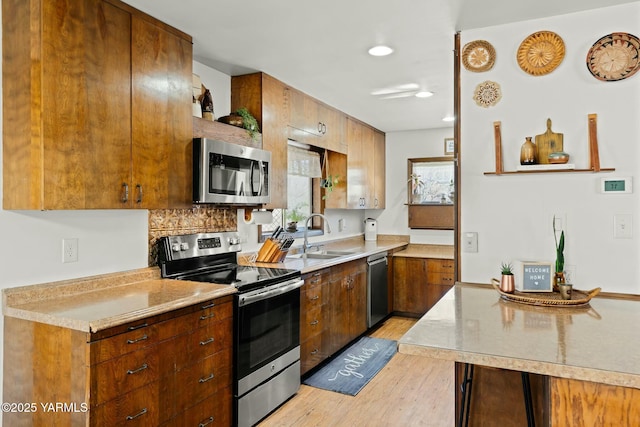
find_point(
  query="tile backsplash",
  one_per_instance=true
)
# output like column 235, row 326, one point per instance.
column 198, row 219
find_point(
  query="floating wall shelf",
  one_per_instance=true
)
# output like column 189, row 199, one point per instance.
column 594, row 155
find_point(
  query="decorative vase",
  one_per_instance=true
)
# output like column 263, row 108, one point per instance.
column 508, row 283
column 528, row 152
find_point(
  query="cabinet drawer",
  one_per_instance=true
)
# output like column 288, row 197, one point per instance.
column 440, row 278
column 123, row 374
column 312, row 353
column 137, row 408
column 213, row 411
column 312, row 296
column 199, row 381
column 139, row 337
column 143, row 334
column 317, row 277
column 311, row 322
column 441, row 265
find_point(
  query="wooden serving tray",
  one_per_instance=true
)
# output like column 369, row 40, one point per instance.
column 548, row 299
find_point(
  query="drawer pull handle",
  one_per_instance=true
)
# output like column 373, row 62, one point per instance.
column 314, row 281
column 133, row 328
column 314, row 298
column 209, row 341
column 142, row 338
column 139, row 414
column 207, row 316
column 314, row 323
column 314, row 352
column 140, row 369
column 204, row 307
column 206, row 423
column 204, row 380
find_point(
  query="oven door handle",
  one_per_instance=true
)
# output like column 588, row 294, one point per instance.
column 269, row 292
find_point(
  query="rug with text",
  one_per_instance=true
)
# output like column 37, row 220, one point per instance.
column 350, row 370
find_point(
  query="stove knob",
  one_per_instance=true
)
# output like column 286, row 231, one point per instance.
column 175, row 247
column 184, row 246
column 234, row 241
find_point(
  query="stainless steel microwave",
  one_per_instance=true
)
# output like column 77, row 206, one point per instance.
column 225, row 173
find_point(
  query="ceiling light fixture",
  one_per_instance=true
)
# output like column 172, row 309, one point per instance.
column 380, row 51
column 424, row 94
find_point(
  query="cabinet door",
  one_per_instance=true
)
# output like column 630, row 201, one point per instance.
column 410, row 285
column 358, row 299
column 339, row 310
column 334, row 129
column 379, row 161
column 162, row 124
column 356, row 174
column 79, row 111
column 369, row 163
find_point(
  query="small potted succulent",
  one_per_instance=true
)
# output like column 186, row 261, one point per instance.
column 507, row 283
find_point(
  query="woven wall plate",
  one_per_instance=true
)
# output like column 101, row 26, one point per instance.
column 540, row 53
column 614, row 57
column 487, row 94
column 478, row 56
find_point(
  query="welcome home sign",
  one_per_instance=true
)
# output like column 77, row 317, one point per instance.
column 534, row 276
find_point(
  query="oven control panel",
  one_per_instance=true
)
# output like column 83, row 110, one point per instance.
column 171, row 248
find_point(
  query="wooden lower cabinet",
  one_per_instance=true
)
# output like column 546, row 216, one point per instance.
column 418, row 283
column 171, row 369
column 333, row 311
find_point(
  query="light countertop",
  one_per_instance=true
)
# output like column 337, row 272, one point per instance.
column 358, row 247
column 473, row 324
column 426, row 251
column 99, row 302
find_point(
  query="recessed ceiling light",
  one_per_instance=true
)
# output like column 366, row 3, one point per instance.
column 380, row 50
column 424, row 94
column 448, row 119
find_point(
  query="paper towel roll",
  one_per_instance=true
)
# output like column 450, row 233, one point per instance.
column 258, row 217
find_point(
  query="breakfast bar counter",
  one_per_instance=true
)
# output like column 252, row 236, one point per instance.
column 591, row 351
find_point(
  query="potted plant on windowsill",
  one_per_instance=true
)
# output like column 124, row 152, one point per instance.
column 507, row 283
column 293, row 216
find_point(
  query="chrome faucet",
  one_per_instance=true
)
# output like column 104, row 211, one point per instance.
column 306, row 244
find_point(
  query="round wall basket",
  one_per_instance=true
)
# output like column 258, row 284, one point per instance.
column 540, row 53
column 478, row 56
column 614, row 57
column 487, row 94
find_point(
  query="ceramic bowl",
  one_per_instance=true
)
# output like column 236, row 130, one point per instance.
column 558, row 157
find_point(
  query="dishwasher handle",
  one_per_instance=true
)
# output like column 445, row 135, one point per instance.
column 377, row 259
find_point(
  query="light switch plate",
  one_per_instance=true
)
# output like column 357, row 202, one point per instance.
column 470, row 242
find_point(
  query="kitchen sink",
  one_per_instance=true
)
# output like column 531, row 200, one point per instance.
column 329, row 254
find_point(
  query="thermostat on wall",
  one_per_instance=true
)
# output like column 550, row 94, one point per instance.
column 616, row 185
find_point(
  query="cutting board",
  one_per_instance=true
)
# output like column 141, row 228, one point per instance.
column 547, row 143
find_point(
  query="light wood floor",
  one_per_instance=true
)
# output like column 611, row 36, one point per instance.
column 408, row 391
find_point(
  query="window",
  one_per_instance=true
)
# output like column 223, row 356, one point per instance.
column 304, row 166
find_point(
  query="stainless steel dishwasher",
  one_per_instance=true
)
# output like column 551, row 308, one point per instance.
column 377, row 288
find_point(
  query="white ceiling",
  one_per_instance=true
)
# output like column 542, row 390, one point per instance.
column 321, row 47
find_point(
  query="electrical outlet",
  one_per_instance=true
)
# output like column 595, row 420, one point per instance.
column 69, row 250
column 622, row 226
column 470, row 242
column 342, row 224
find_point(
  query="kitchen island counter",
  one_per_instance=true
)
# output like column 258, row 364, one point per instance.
column 584, row 352
column 99, row 302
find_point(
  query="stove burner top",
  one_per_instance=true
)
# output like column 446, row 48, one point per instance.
column 211, row 258
column 242, row 277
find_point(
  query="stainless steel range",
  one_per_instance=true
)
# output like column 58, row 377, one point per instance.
column 266, row 317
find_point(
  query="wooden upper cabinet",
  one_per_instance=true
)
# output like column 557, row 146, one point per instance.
column 365, row 166
column 162, row 126
column 67, row 107
column 379, row 162
column 267, row 99
column 314, row 123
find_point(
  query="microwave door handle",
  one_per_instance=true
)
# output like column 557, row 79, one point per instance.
column 261, row 167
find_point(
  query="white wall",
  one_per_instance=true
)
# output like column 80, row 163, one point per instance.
column 401, row 146
column 513, row 214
